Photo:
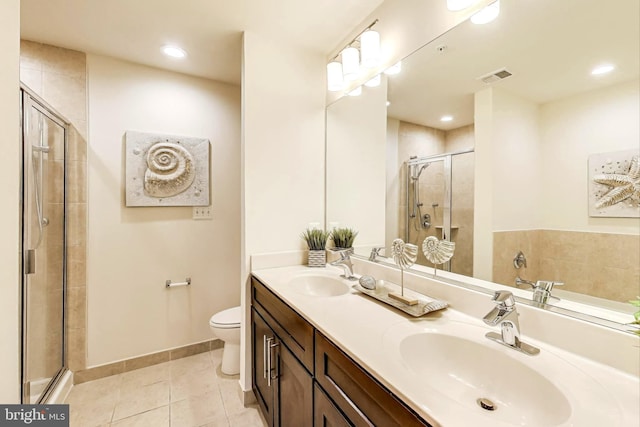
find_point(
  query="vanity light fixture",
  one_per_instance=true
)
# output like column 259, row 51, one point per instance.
column 446, row 118
column 370, row 47
column 335, row 82
column 394, row 69
column 457, row 5
column 356, row 92
column 350, row 63
column 374, row 81
column 486, row 14
column 174, row 51
column 364, row 47
column 602, row 69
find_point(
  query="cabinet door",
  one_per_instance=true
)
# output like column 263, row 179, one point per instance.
column 294, row 390
column 261, row 337
column 325, row 413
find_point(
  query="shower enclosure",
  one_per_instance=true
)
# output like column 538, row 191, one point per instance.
column 44, row 136
column 439, row 201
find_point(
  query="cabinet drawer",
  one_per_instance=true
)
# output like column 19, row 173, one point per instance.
column 362, row 399
column 295, row 332
column 325, row 413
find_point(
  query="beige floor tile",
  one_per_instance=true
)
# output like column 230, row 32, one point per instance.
column 231, row 397
column 159, row 417
column 91, row 414
column 198, row 362
column 137, row 400
column 104, row 388
column 145, row 376
column 198, row 411
column 194, row 383
column 250, row 417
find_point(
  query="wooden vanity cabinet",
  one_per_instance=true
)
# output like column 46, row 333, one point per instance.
column 360, row 397
column 301, row 379
column 282, row 384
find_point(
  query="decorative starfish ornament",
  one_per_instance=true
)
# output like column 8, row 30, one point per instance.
column 623, row 186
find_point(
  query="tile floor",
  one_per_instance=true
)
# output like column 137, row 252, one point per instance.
column 188, row 392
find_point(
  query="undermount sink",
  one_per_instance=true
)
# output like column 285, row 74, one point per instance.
column 319, row 285
column 471, row 376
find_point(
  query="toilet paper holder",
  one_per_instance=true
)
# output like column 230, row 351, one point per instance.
column 169, row 284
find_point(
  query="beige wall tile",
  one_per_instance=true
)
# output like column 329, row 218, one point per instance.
column 32, row 78
column 77, row 353
column 190, row 350
column 77, row 224
column 98, row 372
column 77, row 308
column 76, row 266
column 77, row 181
column 148, row 360
column 66, row 94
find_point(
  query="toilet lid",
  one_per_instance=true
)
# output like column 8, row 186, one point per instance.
column 229, row 318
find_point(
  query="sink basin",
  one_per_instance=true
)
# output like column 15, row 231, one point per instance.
column 319, row 285
column 452, row 366
column 467, row 371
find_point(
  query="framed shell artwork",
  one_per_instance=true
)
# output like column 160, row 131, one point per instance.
column 166, row 170
column 614, row 184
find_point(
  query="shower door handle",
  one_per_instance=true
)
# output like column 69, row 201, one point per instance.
column 30, row 261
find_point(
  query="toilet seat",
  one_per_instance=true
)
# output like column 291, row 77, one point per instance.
column 226, row 319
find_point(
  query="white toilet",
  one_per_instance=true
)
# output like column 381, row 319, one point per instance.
column 226, row 326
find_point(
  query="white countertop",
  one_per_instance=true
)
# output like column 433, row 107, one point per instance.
column 369, row 331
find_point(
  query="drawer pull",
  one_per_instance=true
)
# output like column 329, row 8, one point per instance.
column 264, row 357
column 273, row 374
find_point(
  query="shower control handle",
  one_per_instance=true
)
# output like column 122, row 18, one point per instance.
column 30, row 261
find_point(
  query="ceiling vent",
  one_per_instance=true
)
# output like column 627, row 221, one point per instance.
column 495, row 76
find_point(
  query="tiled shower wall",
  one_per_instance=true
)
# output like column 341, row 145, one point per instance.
column 59, row 77
column 422, row 141
column 603, row 265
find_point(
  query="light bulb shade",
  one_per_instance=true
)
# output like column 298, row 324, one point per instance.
column 370, row 46
column 350, row 63
column 335, row 82
column 356, row 92
column 394, row 69
column 373, row 82
column 456, row 5
column 486, row 14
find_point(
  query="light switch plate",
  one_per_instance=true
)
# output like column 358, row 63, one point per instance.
column 202, row 212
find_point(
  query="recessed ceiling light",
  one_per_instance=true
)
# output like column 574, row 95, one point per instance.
column 446, row 118
column 602, row 69
column 388, row 103
column 174, row 52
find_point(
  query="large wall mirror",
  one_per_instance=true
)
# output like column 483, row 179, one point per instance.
column 493, row 136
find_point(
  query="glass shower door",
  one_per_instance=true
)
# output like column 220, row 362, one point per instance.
column 43, row 246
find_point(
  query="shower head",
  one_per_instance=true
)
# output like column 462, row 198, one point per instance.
column 416, row 175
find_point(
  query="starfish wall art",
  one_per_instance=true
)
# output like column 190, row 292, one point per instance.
column 614, row 184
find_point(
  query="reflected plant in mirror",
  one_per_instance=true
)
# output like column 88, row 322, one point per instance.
column 486, row 143
column 343, row 238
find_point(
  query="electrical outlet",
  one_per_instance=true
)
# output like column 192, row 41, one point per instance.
column 202, row 212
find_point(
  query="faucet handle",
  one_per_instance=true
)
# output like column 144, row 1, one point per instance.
column 546, row 285
column 504, row 298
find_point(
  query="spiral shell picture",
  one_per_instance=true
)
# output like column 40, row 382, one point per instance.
column 165, row 170
column 404, row 254
column 437, row 251
column 170, row 170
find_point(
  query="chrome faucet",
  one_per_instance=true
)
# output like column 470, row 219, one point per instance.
column 346, row 264
column 541, row 289
column 375, row 251
column 505, row 315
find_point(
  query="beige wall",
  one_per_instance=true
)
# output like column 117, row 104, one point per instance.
column 283, row 102
column 59, row 76
column 355, row 171
column 573, row 128
column 10, row 196
column 132, row 251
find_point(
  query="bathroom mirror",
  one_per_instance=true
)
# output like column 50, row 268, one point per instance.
column 528, row 120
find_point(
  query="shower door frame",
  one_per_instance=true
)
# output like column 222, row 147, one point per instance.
column 29, row 99
column 446, row 158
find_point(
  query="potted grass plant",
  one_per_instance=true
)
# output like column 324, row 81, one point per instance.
column 343, row 238
column 317, row 242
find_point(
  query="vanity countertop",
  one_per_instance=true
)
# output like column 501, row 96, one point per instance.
column 371, row 332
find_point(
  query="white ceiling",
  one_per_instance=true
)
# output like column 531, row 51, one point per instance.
column 550, row 46
column 209, row 30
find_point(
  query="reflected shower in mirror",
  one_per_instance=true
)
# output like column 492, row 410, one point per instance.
column 519, row 97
